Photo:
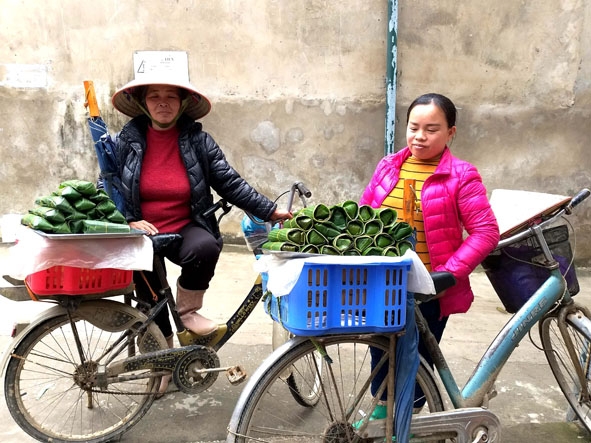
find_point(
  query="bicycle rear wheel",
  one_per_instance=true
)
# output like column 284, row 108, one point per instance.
column 53, row 396
column 271, row 415
column 565, row 368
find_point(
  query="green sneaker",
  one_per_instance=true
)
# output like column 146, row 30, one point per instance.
column 378, row 413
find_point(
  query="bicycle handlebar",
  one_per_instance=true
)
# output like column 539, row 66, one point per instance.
column 297, row 188
column 302, row 191
column 567, row 209
column 577, row 200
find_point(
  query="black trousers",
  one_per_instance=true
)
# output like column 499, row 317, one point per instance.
column 197, row 256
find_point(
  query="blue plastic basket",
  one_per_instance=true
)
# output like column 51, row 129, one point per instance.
column 344, row 298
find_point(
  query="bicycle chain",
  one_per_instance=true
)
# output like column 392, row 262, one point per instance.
column 101, row 391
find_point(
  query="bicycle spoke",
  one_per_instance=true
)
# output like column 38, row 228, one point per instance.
column 269, row 414
column 51, row 384
column 566, row 371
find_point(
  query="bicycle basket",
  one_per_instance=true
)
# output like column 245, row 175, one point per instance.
column 344, row 298
column 515, row 277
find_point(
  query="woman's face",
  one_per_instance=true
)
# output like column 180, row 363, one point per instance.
column 163, row 103
column 427, row 132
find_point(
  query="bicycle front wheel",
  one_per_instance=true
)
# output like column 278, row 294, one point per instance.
column 270, row 414
column 567, row 370
column 305, row 386
column 52, row 379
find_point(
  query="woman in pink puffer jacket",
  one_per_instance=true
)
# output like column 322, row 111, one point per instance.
column 452, row 201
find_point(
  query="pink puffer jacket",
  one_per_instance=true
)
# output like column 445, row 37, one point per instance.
column 453, row 199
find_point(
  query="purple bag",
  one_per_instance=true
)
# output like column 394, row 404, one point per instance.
column 514, row 275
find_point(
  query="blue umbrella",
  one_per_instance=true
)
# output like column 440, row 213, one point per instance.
column 407, row 365
column 105, row 146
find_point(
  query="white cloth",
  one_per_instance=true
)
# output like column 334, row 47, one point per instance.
column 283, row 272
column 33, row 252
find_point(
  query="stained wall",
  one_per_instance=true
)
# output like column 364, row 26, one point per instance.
column 298, row 88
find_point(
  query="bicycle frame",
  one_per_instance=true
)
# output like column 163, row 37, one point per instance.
column 225, row 331
column 476, row 390
column 480, row 382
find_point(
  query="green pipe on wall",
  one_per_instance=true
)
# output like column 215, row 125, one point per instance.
column 391, row 60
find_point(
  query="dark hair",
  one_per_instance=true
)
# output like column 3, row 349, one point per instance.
column 441, row 101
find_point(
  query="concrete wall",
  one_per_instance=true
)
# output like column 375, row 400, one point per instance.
column 298, row 87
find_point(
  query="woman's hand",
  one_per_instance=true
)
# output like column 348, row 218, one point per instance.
column 145, row 226
column 280, row 215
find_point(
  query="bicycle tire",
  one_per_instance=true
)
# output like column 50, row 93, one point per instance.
column 269, row 415
column 44, row 376
column 563, row 367
column 304, row 392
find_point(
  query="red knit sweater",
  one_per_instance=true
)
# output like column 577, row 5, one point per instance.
column 164, row 183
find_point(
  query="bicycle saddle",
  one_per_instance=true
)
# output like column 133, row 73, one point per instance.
column 165, row 242
column 442, row 281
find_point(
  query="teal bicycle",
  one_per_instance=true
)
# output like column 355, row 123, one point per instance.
column 336, row 367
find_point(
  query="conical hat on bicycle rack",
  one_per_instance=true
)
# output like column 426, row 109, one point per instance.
column 515, row 210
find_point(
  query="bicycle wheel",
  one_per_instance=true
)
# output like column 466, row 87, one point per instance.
column 53, row 396
column 564, row 368
column 305, row 386
column 270, row 415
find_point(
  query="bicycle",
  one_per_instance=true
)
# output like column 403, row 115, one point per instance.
column 265, row 413
column 89, row 368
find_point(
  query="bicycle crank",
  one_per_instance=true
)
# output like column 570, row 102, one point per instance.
column 161, row 360
column 235, row 374
column 198, row 370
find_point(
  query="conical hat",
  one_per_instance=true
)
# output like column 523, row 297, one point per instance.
column 123, row 101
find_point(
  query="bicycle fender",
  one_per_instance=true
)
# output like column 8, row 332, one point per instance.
column 254, row 380
column 580, row 320
column 99, row 313
column 52, row 312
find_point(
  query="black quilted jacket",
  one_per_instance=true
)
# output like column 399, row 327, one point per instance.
column 207, row 169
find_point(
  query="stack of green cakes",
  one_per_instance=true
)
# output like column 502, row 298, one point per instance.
column 76, row 207
column 343, row 229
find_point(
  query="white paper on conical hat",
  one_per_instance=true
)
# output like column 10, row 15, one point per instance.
column 515, row 209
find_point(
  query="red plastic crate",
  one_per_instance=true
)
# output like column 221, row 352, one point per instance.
column 69, row 280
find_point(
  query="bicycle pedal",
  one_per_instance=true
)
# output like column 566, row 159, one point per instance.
column 236, row 375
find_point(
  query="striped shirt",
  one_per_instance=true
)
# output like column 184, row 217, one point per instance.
column 406, row 199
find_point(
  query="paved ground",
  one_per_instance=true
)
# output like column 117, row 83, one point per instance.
column 529, row 405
